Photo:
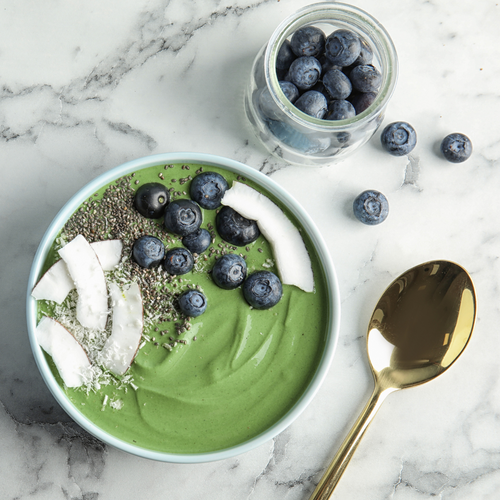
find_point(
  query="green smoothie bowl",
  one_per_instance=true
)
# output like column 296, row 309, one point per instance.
column 183, row 308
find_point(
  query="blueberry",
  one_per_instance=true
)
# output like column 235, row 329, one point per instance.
column 297, row 140
column 319, row 87
column 151, row 199
column 327, row 65
column 148, row 251
column 398, row 138
column 456, row 147
column 365, row 78
column 178, row 261
column 229, row 271
column 362, row 102
column 262, row 289
column 365, row 54
column 304, row 72
column 371, row 207
column 197, row 241
column 192, row 303
column 337, row 84
column 340, row 110
column 290, row 90
column 308, row 41
column 207, row 189
column 343, row 138
column 267, row 104
column 342, row 47
column 182, row 217
column 284, row 59
column 236, row 229
column 312, row 103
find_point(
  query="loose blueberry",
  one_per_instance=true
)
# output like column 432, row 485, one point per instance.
column 207, row 189
column 229, row 271
column 148, row 251
column 297, row 140
column 192, row 303
column 337, row 84
column 340, row 110
column 456, row 147
column 362, row 102
column 312, row 103
column 197, row 241
column 182, row 217
column 178, row 261
column 342, row 47
column 284, row 59
column 398, row 138
column 304, row 72
column 308, row 41
column 365, row 78
column 371, row 207
column 151, row 199
column 236, row 229
column 262, row 289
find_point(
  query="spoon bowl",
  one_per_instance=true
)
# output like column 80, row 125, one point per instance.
column 421, row 324
column 419, row 327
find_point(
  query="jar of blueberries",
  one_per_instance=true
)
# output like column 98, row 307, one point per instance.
column 319, row 88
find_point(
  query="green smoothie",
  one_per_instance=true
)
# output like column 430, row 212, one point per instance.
column 207, row 383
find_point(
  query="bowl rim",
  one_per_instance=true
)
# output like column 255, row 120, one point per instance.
column 276, row 190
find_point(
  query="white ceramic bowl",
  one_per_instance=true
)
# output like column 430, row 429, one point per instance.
column 332, row 310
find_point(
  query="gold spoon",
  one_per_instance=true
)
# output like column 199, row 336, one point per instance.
column 419, row 327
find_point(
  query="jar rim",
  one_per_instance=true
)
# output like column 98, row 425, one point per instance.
column 325, row 12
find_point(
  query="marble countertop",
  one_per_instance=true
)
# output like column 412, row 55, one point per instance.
column 86, row 86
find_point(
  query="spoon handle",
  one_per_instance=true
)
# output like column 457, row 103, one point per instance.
column 332, row 475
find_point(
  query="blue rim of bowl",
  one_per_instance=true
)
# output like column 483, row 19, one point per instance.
column 317, row 240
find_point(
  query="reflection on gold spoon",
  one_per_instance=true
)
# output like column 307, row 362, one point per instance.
column 419, row 327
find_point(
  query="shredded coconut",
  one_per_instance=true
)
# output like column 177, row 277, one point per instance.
column 116, row 404
column 104, row 403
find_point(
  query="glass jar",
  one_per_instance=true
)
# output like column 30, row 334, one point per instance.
column 295, row 136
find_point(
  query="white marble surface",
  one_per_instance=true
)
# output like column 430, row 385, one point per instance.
column 85, row 86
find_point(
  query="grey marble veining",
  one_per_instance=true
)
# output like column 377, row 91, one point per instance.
column 87, row 86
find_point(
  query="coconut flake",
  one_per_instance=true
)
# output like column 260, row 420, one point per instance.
column 289, row 249
column 109, row 253
column 66, row 352
column 88, row 276
column 56, row 283
column 121, row 347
